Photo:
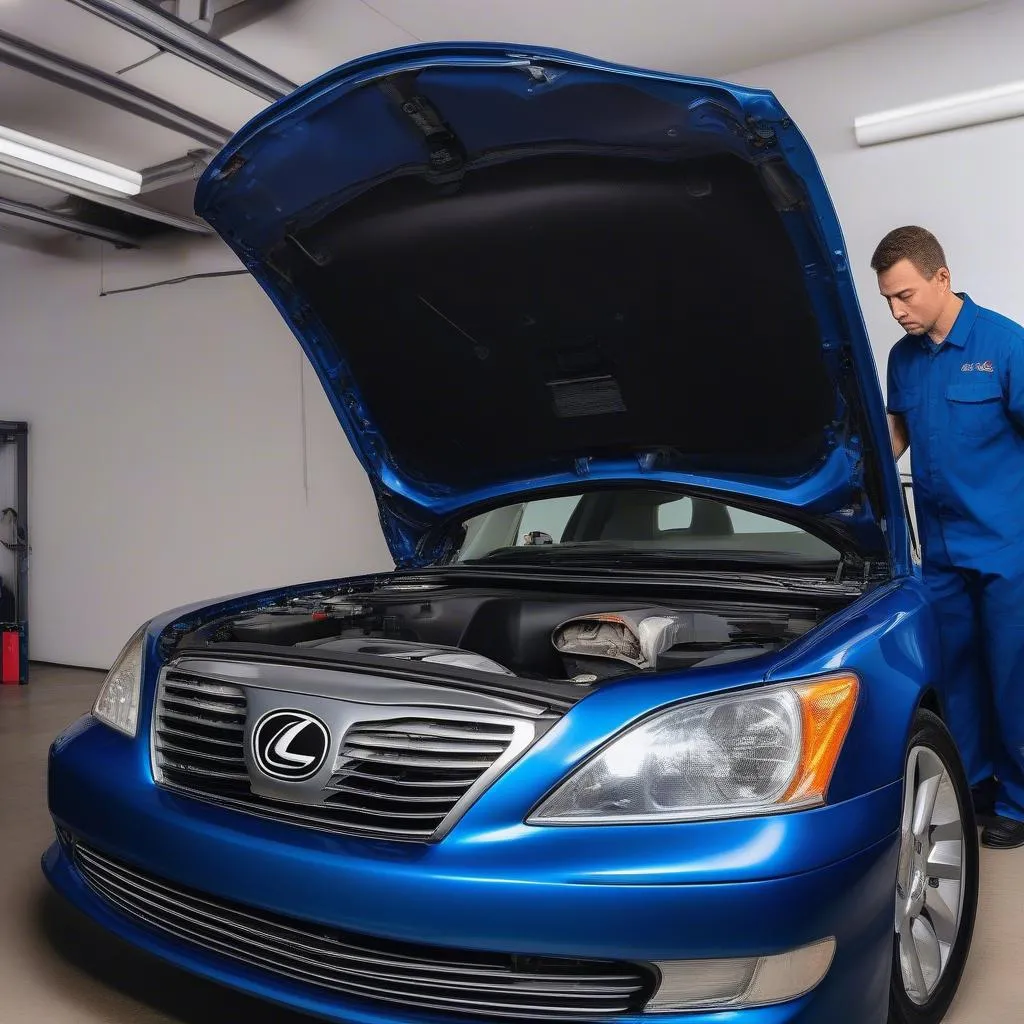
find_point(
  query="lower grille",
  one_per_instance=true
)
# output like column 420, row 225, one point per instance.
column 427, row 978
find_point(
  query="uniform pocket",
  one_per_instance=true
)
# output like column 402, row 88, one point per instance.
column 976, row 408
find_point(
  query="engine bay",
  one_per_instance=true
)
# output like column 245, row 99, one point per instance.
column 573, row 637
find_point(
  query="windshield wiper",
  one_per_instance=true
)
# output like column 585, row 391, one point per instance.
column 594, row 555
column 735, row 579
column 543, row 553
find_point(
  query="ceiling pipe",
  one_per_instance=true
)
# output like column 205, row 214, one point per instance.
column 108, row 89
column 107, row 199
column 39, row 215
column 169, row 33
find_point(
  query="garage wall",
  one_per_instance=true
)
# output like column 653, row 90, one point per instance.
column 965, row 185
column 174, row 457
column 180, row 448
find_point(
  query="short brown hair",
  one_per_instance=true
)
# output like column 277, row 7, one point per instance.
column 912, row 243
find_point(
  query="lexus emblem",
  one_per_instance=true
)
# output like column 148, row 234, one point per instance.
column 291, row 746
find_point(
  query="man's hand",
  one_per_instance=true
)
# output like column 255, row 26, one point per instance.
column 898, row 434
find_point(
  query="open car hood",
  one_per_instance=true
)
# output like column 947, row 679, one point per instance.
column 517, row 270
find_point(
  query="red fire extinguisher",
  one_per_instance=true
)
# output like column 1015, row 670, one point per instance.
column 10, row 657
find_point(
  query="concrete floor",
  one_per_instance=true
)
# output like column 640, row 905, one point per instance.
column 56, row 967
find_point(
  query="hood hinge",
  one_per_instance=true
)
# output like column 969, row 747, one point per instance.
column 854, row 569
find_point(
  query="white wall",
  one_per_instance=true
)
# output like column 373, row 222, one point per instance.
column 167, row 443
column 966, row 186
column 167, row 426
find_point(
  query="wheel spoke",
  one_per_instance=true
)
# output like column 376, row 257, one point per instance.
column 924, row 805
column 911, row 959
column 904, row 922
column 941, row 916
column 945, row 862
column 930, row 951
column 951, row 831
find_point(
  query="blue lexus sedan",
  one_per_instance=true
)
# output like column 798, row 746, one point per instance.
column 644, row 725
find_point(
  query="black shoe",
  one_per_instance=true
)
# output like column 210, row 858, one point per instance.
column 1003, row 834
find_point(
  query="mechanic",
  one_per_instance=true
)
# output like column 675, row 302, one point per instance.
column 956, row 398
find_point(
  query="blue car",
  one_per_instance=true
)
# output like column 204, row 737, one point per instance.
column 646, row 723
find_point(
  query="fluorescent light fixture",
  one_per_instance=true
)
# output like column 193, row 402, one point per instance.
column 24, row 150
column 982, row 106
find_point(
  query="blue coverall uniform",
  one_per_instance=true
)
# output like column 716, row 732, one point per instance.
column 963, row 402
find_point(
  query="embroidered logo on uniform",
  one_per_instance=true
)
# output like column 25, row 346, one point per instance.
column 985, row 367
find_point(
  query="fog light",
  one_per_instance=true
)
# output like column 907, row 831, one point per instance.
column 741, row 983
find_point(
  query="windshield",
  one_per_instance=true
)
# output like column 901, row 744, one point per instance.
column 634, row 524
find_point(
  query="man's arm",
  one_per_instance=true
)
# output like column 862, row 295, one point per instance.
column 898, row 434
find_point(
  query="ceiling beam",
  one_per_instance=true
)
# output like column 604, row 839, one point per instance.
column 68, row 187
column 39, row 215
column 184, row 168
column 169, row 33
column 108, row 89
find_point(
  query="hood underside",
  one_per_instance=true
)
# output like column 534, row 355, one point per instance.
column 518, row 273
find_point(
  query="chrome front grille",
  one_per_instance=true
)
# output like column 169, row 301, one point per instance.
column 412, row 772
column 198, row 736
column 401, row 778
column 427, row 978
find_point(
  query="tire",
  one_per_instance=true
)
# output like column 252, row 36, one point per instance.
column 938, row 829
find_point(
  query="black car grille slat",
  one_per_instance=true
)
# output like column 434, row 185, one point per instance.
column 179, row 754
column 188, row 701
column 199, row 742
column 416, row 759
column 419, row 797
column 340, row 803
column 376, row 781
column 379, row 970
column 202, row 726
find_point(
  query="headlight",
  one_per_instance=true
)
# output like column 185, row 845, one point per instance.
column 760, row 751
column 117, row 704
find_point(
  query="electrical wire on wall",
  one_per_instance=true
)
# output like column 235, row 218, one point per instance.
column 12, row 514
column 104, row 292
column 164, row 282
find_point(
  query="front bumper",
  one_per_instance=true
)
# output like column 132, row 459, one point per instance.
column 490, row 892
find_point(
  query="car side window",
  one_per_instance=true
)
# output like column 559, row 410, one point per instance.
column 675, row 515
column 544, row 521
column 750, row 522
